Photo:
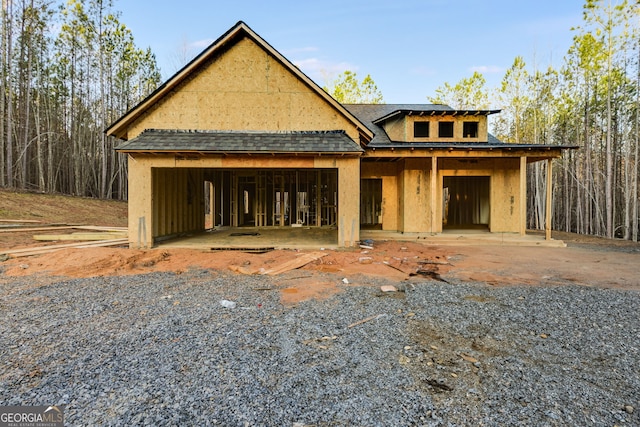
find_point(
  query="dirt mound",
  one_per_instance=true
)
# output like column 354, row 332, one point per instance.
column 60, row 209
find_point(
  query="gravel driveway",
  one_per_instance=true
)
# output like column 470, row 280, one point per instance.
column 160, row 349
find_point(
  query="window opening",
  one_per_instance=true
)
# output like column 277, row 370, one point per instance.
column 420, row 129
column 445, row 129
column 470, row 130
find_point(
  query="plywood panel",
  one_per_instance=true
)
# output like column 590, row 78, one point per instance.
column 348, row 205
column 390, row 203
column 244, row 88
column 140, row 201
column 415, row 195
column 505, row 201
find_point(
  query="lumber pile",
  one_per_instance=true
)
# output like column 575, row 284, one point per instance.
column 84, row 236
column 87, row 236
column 39, row 250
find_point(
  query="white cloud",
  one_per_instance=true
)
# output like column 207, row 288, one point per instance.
column 200, row 44
column 321, row 70
column 486, row 69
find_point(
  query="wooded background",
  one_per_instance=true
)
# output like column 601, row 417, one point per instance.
column 69, row 69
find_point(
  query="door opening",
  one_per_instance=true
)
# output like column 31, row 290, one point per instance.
column 466, row 202
column 371, row 204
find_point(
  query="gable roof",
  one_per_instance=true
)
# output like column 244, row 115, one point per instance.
column 239, row 31
column 241, row 142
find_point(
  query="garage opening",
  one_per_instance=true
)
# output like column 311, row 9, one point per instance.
column 466, row 202
column 277, row 198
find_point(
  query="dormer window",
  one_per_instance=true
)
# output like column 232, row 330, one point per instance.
column 421, row 129
column 445, row 129
column 470, row 129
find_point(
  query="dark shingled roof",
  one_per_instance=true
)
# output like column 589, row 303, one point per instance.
column 373, row 115
column 370, row 114
column 325, row 142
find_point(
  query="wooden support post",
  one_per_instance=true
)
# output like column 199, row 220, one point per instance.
column 318, row 198
column 212, row 204
column 434, row 190
column 547, row 226
column 523, row 195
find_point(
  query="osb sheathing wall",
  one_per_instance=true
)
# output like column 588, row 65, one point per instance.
column 457, row 128
column 388, row 173
column 243, row 88
column 415, row 195
column 504, row 187
column 178, row 201
column 401, row 129
column 348, row 199
column 406, row 191
column 396, row 129
column 163, row 200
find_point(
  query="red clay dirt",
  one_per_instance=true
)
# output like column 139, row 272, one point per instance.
column 395, row 261
column 588, row 261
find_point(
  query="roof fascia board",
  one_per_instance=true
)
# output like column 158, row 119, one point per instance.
column 433, row 112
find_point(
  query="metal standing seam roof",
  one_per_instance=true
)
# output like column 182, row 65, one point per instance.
column 325, row 142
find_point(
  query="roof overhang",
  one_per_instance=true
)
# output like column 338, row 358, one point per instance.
column 434, row 112
column 119, row 128
column 533, row 152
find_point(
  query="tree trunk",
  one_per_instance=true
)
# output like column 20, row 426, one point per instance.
column 9, row 110
column 4, row 23
column 635, row 177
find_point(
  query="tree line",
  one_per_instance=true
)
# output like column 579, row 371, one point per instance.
column 593, row 101
column 67, row 70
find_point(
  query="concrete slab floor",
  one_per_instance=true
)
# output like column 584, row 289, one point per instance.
column 258, row 238
column 463, row 237
column 255, row 238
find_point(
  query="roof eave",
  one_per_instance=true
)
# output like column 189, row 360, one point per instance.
column 435, row 112
column 250, row 153
column 472, row 147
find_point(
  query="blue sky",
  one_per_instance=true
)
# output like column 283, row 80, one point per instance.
column 409, row 48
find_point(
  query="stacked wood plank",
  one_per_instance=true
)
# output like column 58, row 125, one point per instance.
column 89, row 236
